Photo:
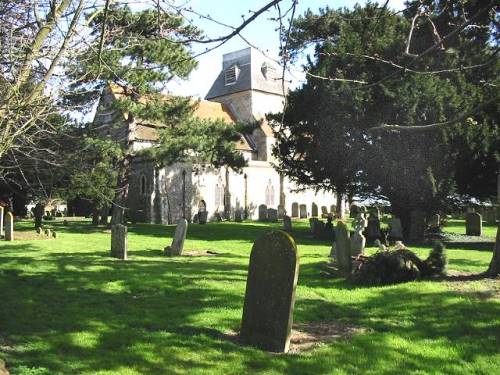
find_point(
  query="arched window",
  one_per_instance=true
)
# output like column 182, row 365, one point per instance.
column 143, row 185
column 269, row 194
column 219, row 194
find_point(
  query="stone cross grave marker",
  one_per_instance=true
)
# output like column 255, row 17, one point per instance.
column 295, row 209
column 473, row 224
column 9, row 227
column 270, row 292
column 175, row 249
column 262, row 212
column 287, row 223
column 272, row 215
column 303, row 211
column 358, row 241
column 342, row 247
column 119, row 241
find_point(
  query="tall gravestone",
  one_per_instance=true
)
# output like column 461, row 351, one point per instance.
column 119, row 241
column 281, row 212
column 272, row 215
column 262, row 212
column 1, row 220
column 395, row 229
column 287, row 224
column 342, row 247
column 9, row 227
column 270, row 292
column 314, row 210
column 473, row 224
column 303, row 211
column 417, row 225
column 295, row 209
column 175, row 249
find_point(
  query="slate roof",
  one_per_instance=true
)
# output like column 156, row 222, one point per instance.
column 256, row 72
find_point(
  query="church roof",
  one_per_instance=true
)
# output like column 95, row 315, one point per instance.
column 246, row 69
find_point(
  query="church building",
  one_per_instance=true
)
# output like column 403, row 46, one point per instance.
column 247, row 88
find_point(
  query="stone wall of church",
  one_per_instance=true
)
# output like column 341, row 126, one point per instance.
column 141, row 189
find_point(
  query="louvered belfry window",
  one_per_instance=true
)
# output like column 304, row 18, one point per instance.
column 231, row 75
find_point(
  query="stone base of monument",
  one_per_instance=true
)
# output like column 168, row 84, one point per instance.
column 307, row 336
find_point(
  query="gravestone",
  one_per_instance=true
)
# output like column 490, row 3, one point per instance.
column 395, row 229
column 303, row 211
column 333, row 209
column 272, row 215
column 175, row 249
column 237, row 216
column 202, row 217
column 329, row 230
column 47, row 232
column 354, row 210
column 270, row 292
column 417, row 225
column 281, row 212
column 295, row 209
column 262, row 212
column 342, row 247
column 358, row 241
column 119, row 241
column 1, row 220
column 9, row 227
column 473, row 224
column 324, row 212
column 373, row 228
column 434, row 222
column 314, row 210
column 287, row 223
column 39, row 230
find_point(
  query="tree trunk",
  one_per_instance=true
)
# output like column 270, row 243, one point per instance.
column 104, row 215
column 494, row 268
column 340, row 205
column 118, row 210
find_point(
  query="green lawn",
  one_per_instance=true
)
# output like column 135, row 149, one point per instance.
column 66, row 307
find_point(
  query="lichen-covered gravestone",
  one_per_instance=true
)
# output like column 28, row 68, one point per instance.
column 1, row 221
column 358, row 241
column 9, row 227
column 272, row 215
column 178, row 241
column 303, row 211
column 262, row 212
column 270, row 292
column 119, row 241
column 417, row 225
column 287, row 224
column 342, row 247
column 473, row 224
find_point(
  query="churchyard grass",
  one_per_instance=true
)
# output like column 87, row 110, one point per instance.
column 67, row 307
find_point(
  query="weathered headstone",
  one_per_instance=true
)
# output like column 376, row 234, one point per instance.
column 324, row 212
column 272, row 215
column 354, row 210
column 262, row 212
column 1, row 220
column 373, row 228
column 342, row 247
column 39, row 230
column 38, row 212
column 54, row 235
column 303, row 211
column 395, row 229
column 314, row 210
column 287, row 223
column 473, row 224
column 9, row 227
column 119, row 241
column 270, row 292
column 358, row 241
column 175, row 249
column 333, row 209
column 417, row 225
column 238, row 216
column 281, row 212
column 295, row 209
column 434, row 222
column 47, row 232
column 202, row 217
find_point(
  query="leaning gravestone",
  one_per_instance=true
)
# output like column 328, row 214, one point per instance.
column 314, row 210
column 272, row 215
column 1, row 221
column 342, row 247
column 287, row 224
column 473, row 224
column 281, row 212
column 119, row 241
column 262, row 212
column 417, row 225
column 295, row 209
column 237, row 216
column 303, row 211
column 9, row 227
column 395, row 229
column 178, row 241
column 270, row 292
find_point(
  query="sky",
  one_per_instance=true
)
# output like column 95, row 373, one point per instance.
column 261, row 33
